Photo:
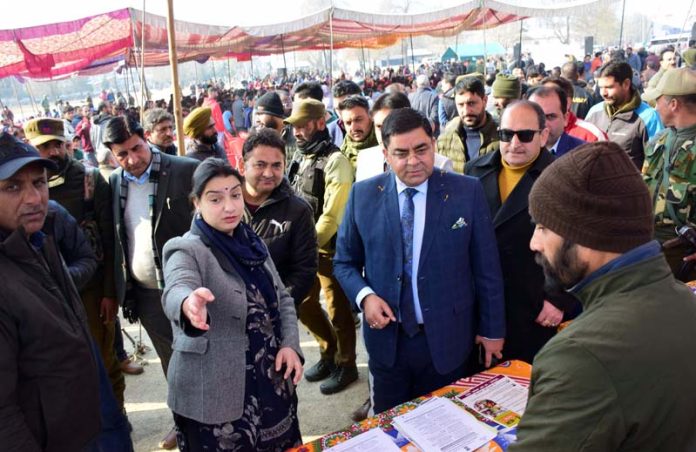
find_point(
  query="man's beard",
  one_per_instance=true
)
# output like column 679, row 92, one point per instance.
column 209, row 139
column 477, row 121
column 565, row 271
column 61, row 163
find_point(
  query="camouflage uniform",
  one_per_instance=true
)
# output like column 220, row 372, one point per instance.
column 674, row 197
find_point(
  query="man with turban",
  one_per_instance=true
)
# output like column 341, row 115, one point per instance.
column 199, row 126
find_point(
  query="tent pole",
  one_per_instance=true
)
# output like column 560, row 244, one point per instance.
column 142, row 65
column 485, row 50
column 623, row 13
column 214, row 74
column 14, row 82
column 171, row 34
column 251, row 62
column 331, row 41
column 282, row 48
column 229, row 72
column 364, row 66
column 413, row 56
column 519, row 57
column 31, row 96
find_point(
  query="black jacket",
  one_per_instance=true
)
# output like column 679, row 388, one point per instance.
column 583, row 99
column 173, row 212
column 95, row 216
column 73, row 245
column 49, row 385
column 200, row 151
column 522, row 276
column 285, row 222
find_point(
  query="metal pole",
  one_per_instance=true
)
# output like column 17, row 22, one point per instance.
column 623, row 14
column 331, row 41
column 142, row 65
column 229, row 72
column 413, row 56
column 13, row 82
column 214, row 74
column 519, row 57
column 485, row 46
column 282, row 48
column 251, row 63
column 31, row 96
column 364, row 66
column 178, row 120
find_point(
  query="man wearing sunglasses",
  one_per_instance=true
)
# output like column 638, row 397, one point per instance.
column 507, row 175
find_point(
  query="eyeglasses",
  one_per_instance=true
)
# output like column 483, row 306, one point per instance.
column 525, row 136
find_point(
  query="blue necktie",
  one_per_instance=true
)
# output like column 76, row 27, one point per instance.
column 406, row 304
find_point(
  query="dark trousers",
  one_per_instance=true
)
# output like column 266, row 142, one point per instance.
column 411, row 376
column 103, row 335
column 149, row 309
column 115, row 431
column 336, row 334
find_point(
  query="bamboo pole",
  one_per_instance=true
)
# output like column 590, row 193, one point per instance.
column 178, row 121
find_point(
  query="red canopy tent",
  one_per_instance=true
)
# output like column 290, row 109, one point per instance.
column 98, row 43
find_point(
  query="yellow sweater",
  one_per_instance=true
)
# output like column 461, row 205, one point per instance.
column 509, row 177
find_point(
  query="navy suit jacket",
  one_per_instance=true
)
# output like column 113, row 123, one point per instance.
column 459, row 279
column 567, row 143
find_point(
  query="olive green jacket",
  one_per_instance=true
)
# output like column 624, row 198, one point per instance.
column 451, row 145
column 621, row 376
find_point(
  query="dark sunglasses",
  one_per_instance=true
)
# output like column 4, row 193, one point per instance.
column 525, row 136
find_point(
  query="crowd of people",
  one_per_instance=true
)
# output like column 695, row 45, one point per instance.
column 459, row 214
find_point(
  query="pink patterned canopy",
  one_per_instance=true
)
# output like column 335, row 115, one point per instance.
column 98, row 43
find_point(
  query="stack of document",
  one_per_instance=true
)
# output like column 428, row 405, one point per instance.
column 499, row 399
column 440, row 425
column 374, row 440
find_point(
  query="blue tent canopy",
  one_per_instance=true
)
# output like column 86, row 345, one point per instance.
column 472, row 50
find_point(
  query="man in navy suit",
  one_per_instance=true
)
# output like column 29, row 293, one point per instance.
column 417, row 254
column 554, row 102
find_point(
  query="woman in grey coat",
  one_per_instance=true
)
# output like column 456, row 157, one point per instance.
column 236, row 347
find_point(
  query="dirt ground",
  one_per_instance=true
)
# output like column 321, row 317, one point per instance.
column 146, row 396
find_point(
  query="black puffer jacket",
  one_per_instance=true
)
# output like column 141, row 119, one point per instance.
column 285, row 222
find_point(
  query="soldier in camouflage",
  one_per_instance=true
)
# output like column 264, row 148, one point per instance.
column 670, row 170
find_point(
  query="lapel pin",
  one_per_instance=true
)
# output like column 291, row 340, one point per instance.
column 460, row 223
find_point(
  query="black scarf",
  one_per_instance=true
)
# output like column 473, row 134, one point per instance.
column 246, row 253
column 320, row 141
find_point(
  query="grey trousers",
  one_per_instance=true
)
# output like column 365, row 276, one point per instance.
column 157, row 325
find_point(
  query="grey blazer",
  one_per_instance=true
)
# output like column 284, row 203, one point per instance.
column 206, row 373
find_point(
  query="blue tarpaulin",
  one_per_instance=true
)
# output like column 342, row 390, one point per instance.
column 472, row 50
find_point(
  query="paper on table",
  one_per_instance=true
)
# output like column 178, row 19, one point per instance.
column 439, row 425
column 499, row 399
column 374, row 440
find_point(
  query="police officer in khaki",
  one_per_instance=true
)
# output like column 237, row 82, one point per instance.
column 670, row 169
column 321, row 175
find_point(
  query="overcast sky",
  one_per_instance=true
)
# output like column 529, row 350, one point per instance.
column 37, row 12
